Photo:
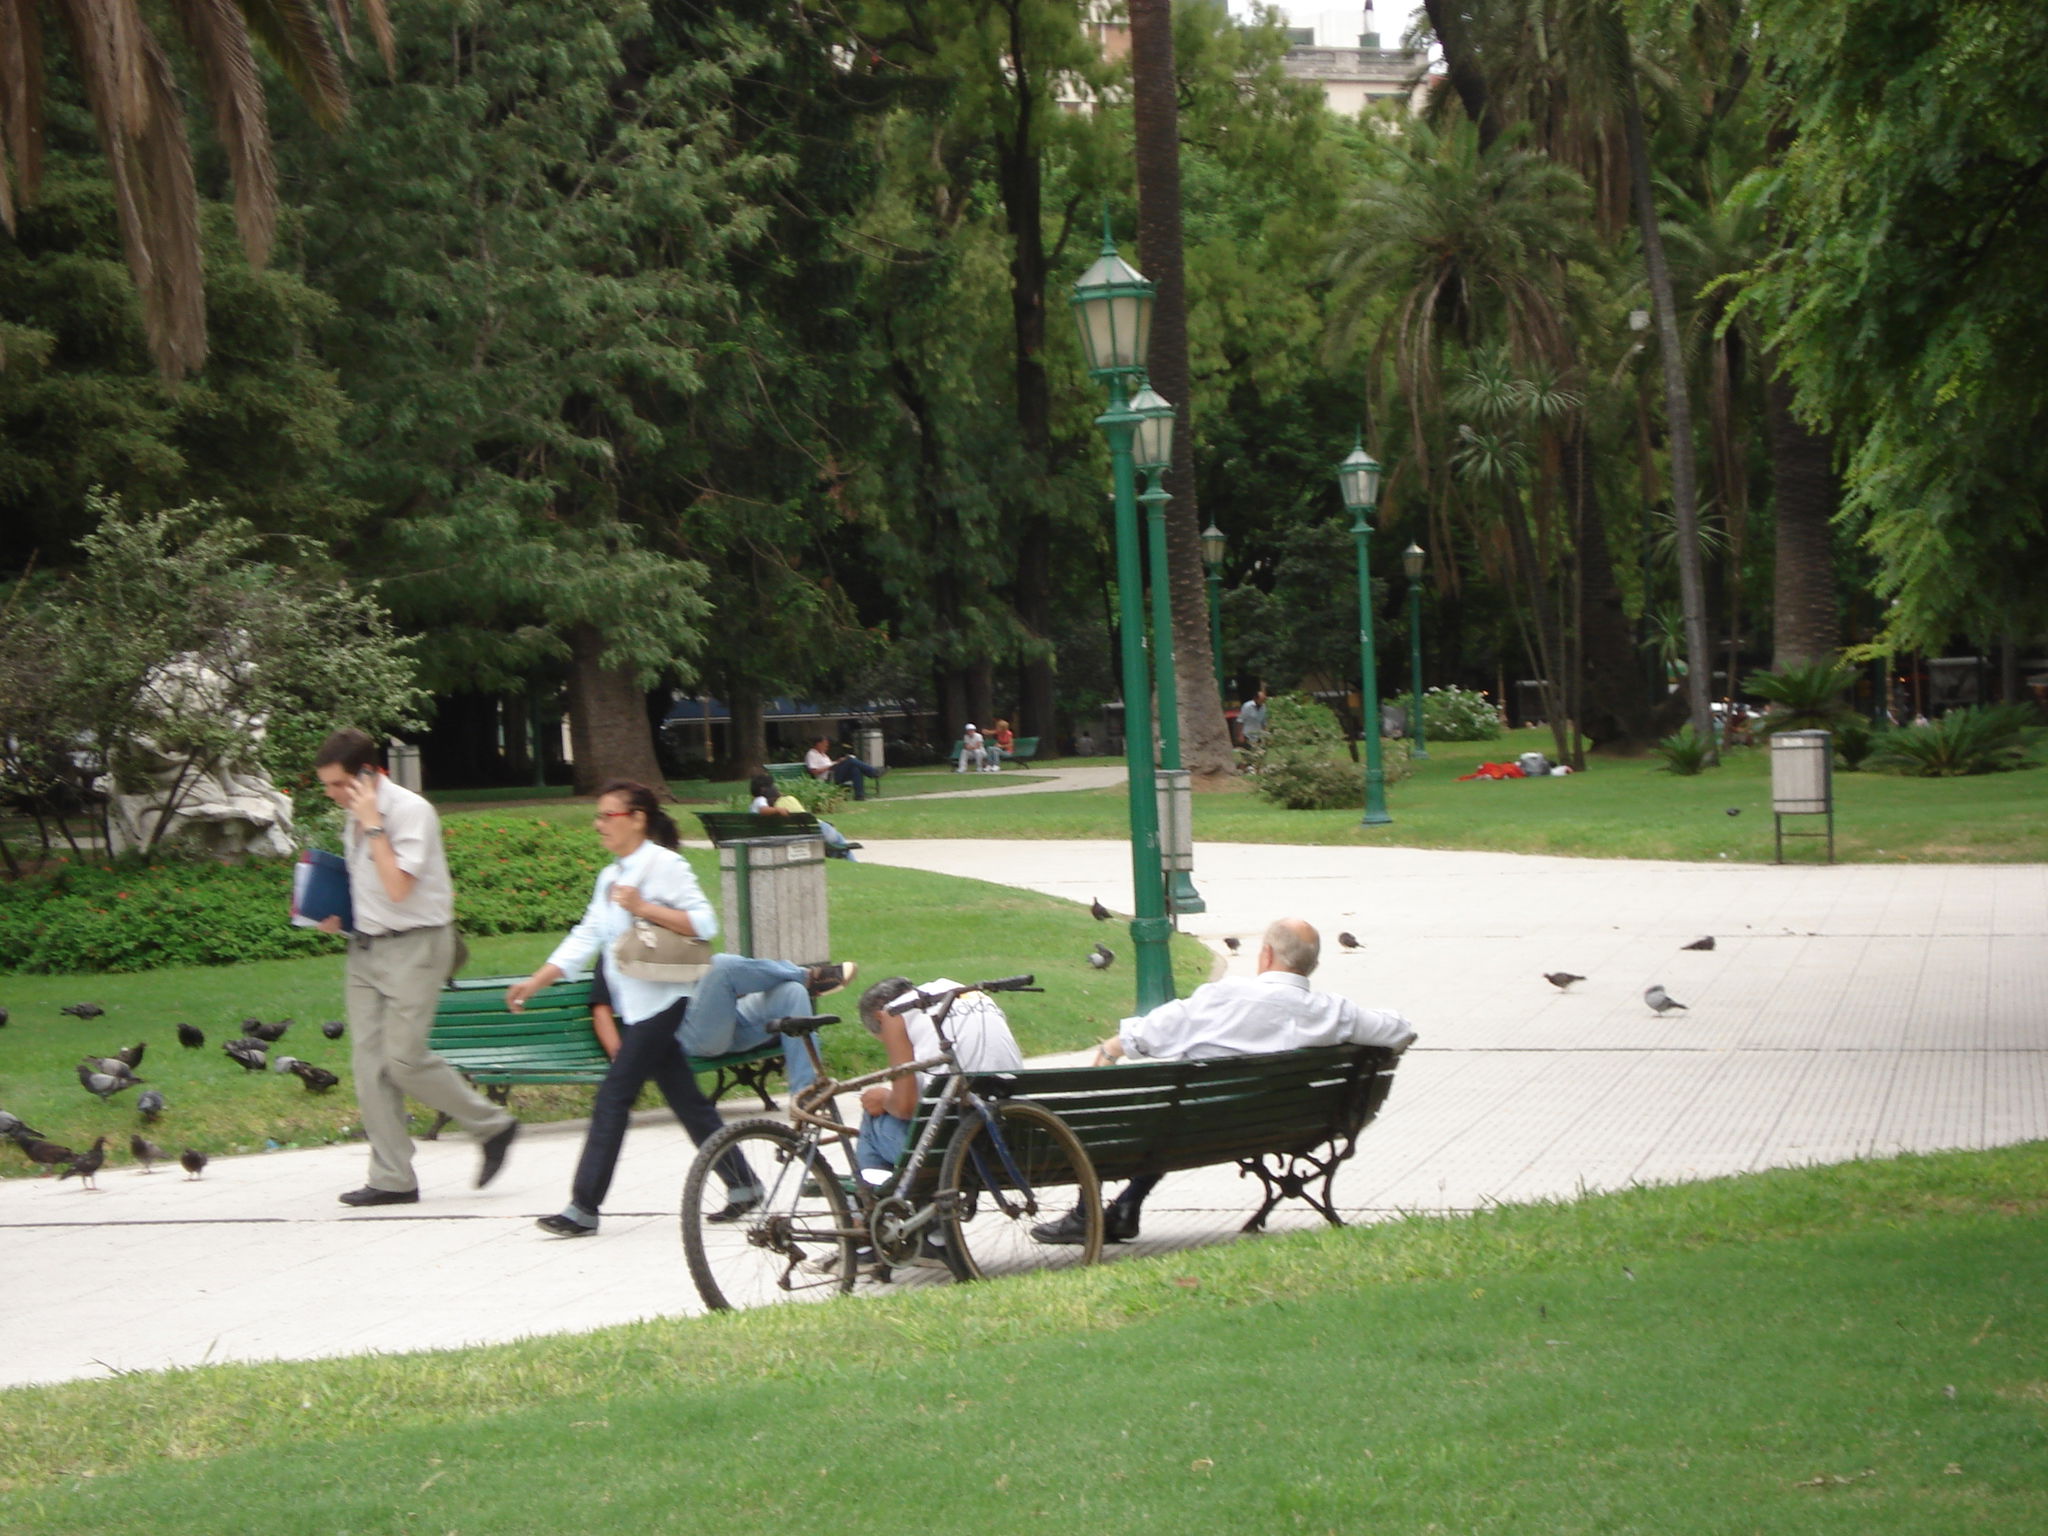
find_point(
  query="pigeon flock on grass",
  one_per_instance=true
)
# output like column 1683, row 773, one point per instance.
column 107, row 1077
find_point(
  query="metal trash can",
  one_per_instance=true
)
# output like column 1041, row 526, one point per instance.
column 1177, row 839
column 1803, row 783
column 405, row 765
column 772, row 893
column 867, row 746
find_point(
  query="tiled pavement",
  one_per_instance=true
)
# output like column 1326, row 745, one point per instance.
column 1847, row 1011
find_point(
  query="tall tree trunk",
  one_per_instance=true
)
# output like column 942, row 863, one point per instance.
column 746, row 736
column 1805, row 627
column 1692, row 586
column 1155, row 115
column 1615, row 709
column 607, row 719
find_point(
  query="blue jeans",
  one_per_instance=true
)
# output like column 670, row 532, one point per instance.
column 735, row 1002
column 853, row 773
column 881, row 1142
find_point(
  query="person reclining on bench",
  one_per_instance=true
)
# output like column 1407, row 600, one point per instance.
column 739, row 997
column 1238, row 1016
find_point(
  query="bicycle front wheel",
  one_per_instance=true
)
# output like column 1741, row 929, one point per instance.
column 992, row 1203
column 796, row 1242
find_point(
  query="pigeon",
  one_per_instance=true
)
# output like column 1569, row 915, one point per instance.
column 248, row 1054
column 1562, row 980
column 1098, row 911
column 1734, row 810
column 269, row 1034
column 132, row 1054
column 113, row 1066
column 151, row 1103
column 48, row 1153
column 1233, row 945
column 1101, row 957
column 87, row 1163
column 194, row 1163
column 104, row 1084
column 1662, row 1001
column 4, row 1016
column 316, row 1079
column 333, row 1029
column 285, row 1063
column 191, row 1038
column 1705, row 943
column 13, row 1125
column 83, row 1010
column 145, row 1152
column 1349, row 941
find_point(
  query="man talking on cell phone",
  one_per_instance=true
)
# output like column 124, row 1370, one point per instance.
column 403, row 950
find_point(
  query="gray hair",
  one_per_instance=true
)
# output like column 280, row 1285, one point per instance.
column 876, row 1000
column 1295, row 944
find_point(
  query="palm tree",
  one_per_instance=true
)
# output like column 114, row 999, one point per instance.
column 133, row 96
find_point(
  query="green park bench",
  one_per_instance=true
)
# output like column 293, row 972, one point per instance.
column 1022, row 750
column 1288, row 1118
column 551, row 1040
column 731, row 826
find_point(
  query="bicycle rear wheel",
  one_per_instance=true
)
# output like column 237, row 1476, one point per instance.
column 990, row 1214
column 796, row 1242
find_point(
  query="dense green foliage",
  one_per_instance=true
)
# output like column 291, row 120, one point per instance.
column 1454, row 714
column 1303, row 762
column 1962, row 742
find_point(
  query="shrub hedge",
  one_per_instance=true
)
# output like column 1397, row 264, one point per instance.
column 512, row 874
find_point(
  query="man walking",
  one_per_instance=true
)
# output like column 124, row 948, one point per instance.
column 1276, row 1010
column 403, row 949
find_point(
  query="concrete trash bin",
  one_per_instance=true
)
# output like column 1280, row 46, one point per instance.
column 772, row 894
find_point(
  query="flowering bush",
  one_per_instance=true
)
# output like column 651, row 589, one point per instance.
column 1454, row 714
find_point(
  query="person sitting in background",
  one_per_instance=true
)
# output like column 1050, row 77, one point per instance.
column 1237, row 1016
column 848, row 770
column 973, row 750
column 1001, row 741
column 770, row 801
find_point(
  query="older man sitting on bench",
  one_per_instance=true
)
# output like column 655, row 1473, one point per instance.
column 1238, row 1016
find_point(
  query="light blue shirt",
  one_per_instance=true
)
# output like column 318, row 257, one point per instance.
column 664, row 878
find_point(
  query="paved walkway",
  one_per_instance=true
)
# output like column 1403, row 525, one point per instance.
column 1844, row 1012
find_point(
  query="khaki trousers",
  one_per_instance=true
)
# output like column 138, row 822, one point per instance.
column 393, row 984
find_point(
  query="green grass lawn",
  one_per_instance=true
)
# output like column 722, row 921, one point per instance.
column 1618, row 808
column 889, row 920
column 1859, row 1349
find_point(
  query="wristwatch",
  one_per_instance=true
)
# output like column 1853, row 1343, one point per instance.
column 373, row 831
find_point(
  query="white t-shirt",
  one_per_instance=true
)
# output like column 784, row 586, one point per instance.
column 978, row 1028
column 819, row 763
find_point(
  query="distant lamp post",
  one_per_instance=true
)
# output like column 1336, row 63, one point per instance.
column 1152, row 449
column 1358, row 482
column 1113, row 307
column 1411, row 564
column 1212, row 566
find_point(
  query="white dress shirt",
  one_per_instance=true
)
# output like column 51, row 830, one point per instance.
column 414, row 831
column 663, row 877
column 1272, row 1011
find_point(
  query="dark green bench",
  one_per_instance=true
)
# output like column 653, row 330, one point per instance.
column 551, row 1040
column 787, row 773
column 731, row 826
column 1289, row 1118
column 1022, row 749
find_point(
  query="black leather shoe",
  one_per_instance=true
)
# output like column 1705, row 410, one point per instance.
column 494, row 1154
column 368, row 1195
column 734, row 1209
column 564, row 1226
column 1118, row 1226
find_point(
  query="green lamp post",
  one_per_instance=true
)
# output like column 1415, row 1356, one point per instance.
column 1411, row 563
column 1358, row 481
column 1152, row 452
column 1113, row 306
column 1212, row 566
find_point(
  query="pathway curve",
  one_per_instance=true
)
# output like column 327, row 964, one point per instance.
column 1847, row 1011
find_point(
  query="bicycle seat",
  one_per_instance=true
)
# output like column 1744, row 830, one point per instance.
column 796, row 1026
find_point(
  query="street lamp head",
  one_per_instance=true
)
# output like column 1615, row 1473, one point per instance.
column 1212, row 545
column 1152, row 448
column 1358, row 480
column 1113, row 304
column 1411, row 561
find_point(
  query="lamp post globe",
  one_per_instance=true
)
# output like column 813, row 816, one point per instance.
column 1358, row 482
column 1412, row 561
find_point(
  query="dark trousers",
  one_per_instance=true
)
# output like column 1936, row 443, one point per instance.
column 1132, row 1200
column 854, row 774
column 647, row 1050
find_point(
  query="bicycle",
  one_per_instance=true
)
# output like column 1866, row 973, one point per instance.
column 811, row 1231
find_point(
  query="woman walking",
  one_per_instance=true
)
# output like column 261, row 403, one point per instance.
column 647, row 881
